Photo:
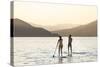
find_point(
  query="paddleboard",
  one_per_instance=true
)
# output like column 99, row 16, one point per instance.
column 63, row 57
column 60, row 57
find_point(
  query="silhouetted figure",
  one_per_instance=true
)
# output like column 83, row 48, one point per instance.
column 60, row 45
column 70, row 45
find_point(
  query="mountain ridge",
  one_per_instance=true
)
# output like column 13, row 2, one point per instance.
column 23, row 29
column 89, row 29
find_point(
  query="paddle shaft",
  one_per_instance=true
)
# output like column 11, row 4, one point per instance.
column 55, row 50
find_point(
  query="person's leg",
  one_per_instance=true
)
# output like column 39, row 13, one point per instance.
column 68, row 50
column 71, row 49
column 59, row 51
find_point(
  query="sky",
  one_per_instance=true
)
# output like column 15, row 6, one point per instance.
column 54, row 14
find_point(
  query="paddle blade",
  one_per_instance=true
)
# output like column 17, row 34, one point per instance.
column 53, row 56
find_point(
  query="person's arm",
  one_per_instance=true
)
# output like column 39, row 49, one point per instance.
column 71, row 40
column 57, row 44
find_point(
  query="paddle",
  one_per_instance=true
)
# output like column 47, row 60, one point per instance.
column 55, row 51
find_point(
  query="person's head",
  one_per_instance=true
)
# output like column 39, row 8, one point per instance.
column 70, row 35
column 60, row 37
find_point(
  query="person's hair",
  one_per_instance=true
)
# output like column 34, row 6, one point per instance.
column 70, row 35
column 60, row 37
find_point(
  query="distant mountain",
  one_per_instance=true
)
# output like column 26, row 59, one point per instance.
column 60, row 27
column 56, row 27
column 82, row 30
column 23, row 29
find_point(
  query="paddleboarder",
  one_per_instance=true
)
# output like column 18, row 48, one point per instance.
column 60, row 45
column 70, row 45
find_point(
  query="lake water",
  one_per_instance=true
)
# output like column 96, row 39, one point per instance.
column 39, row 50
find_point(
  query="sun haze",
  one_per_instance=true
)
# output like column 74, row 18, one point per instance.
column 53, row 14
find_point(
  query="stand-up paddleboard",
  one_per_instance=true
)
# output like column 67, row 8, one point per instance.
column 63, row 57
column 60, row 56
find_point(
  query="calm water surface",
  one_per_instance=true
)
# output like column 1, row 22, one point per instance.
column 39, row 50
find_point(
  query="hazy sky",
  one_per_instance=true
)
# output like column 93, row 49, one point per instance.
column 52, row 14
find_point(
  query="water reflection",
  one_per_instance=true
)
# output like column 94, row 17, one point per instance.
column 69, row 59
column 40, row 50
column 60, row 60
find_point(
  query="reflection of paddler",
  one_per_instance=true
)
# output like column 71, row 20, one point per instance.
column 60, row 60
column 60, row 45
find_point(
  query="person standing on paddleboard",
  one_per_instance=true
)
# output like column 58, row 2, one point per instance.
column 60, row 45
column 70, row 45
